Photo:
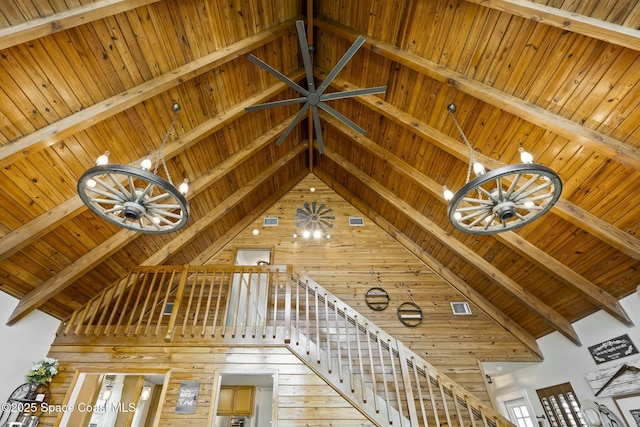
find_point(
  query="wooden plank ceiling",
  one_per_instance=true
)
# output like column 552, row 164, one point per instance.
column 557, row 77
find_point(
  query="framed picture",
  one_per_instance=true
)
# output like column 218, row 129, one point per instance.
column 629, row 407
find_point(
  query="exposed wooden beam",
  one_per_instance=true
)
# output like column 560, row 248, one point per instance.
column 447, row 275
column 99, row 111
column 580, row 24
column 41, row 27
column 597, row 296
column 530, row 301
column 611, row 235
column 81, row 266
column 610, row 147
column 35, row 229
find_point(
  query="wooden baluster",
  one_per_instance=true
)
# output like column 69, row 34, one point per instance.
column 349, row 359
column 139, row 292
column 328, row 333
column 408, row 385
column 220, row 285
column 85, row 311
column 125, row 307
column 306, row 313
column 338, row 347
column 248, row 308
column 456, row 405
column 372, row 368
column 317, row 327
column 384, row 377
column 267, row 290
column 143, row 311
column 394, row 375
column 298, row 310
column 120, row 292
column 357, row 326
column 167, row 294
column 236, row 310
column 187, row 312
column 434, row 405
column 176, row 304
column 156, row 298
column 70, row 323
column 276, row 287
column 416, row 377
column 196, row 314
column 110, row 293
column 287, row 307
column 96, row 304
column 444, row 400
column 470, row 409
column 207, row 309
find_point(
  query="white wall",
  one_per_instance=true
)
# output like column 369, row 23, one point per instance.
column 566, row 362
column 22, row 344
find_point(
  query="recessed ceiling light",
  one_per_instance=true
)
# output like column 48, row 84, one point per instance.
column 255, row 231
column 312, row 189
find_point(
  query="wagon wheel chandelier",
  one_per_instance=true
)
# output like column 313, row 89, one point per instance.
column 504, row 198
column 133, row 197
column 312, row 97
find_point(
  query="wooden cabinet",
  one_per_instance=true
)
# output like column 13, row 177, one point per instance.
column 236, row 400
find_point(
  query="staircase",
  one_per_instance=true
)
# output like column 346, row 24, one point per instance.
column 377, row 374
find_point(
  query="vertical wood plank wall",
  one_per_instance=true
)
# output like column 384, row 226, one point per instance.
column 343, row 264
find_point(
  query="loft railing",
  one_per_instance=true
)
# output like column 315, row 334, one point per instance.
column 271, row 305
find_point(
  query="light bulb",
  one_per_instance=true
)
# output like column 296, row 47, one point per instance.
column 328, row 236
column 91, row 183
column 306, row 234
column 255, row 232
column 103, row 159
column 146, row 392
column 184, row 187
column 146, row 164
column 525, row 156
column 107, row 392
column 155, row 220
column 295, row 235
column 529, row 204
column 478, row 168
column 317, row 234
column 448, row 194
column 457, row 215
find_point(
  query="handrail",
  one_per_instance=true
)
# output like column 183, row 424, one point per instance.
column 270, row 305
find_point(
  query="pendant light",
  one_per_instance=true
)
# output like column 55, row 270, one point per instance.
column 133, row 197
column 504, row 198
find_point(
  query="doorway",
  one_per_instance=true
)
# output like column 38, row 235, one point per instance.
column 246, row 400
column 248, row 296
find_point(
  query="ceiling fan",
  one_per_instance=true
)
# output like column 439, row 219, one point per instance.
column 312, row 97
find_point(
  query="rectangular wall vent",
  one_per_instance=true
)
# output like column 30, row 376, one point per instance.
column 356, row 221
column 460, row 308
column 270, row 221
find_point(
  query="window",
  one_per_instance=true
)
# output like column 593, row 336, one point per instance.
column 561, row 406
column 519, row 413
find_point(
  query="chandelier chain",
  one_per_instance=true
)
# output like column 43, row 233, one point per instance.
column 160, row 157
column 472, row 157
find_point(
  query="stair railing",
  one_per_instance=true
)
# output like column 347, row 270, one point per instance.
column 373, row 369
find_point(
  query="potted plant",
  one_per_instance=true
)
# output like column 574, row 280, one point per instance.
column 42, row 372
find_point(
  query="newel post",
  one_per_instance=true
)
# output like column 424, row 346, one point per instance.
column 176, row 304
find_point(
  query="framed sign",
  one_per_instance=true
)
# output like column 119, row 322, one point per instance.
column 613, row 349
column 187, row 397
column 629, row 407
